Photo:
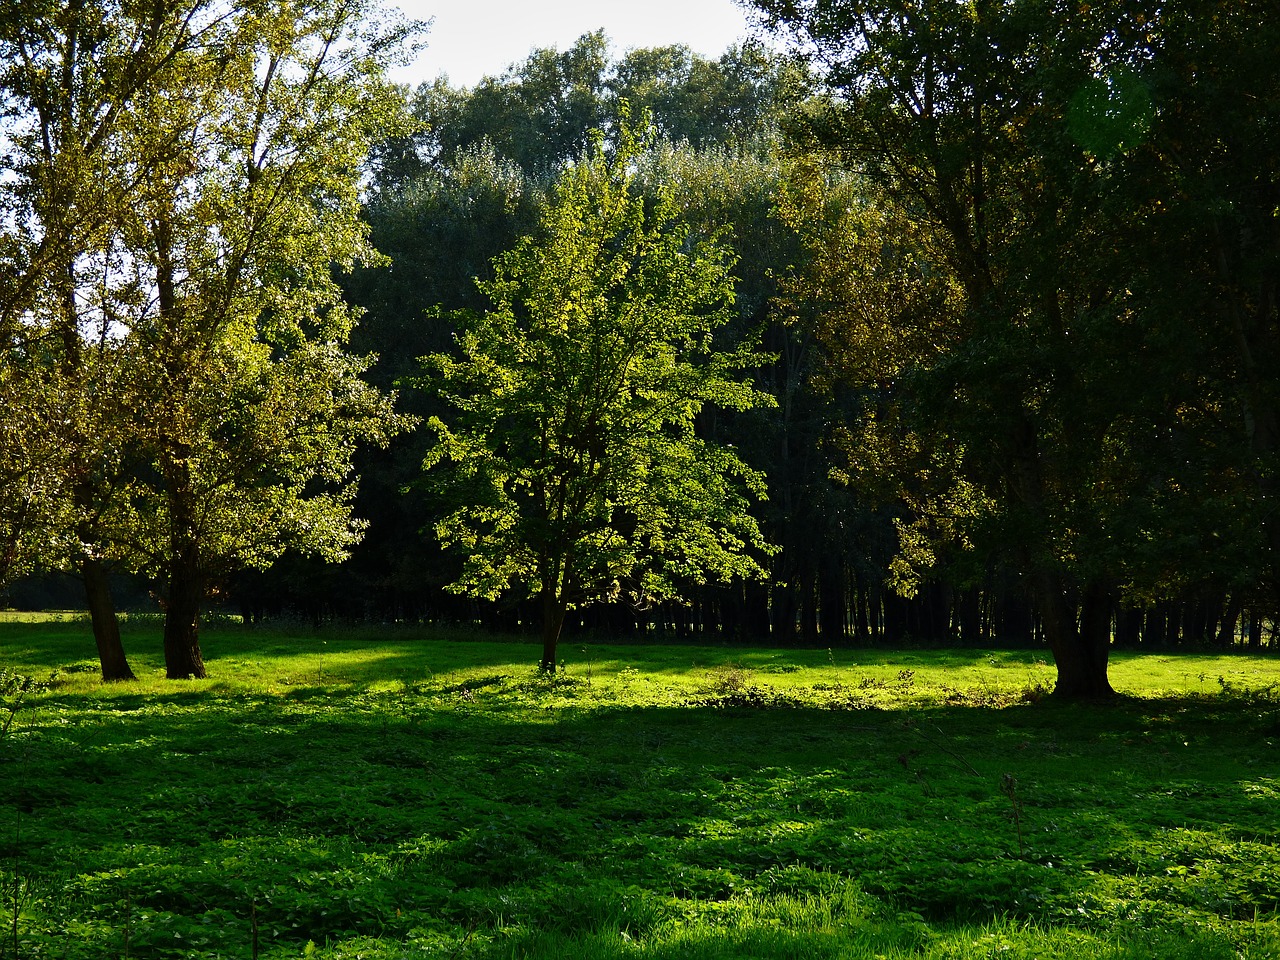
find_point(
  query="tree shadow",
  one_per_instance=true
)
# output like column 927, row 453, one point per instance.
column 489, row 804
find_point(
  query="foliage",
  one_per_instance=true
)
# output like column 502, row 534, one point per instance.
column 999, row 138
column 579, row 468
column 429, row 795
column 213, row 410
column 540, row 113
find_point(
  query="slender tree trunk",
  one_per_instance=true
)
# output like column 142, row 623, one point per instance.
column 833, row 604
column 1128, row 627
column 553, row 614
column 861, row 617
column 106, row 628
column 969, row 617
column 182, row 657
column 756, row 610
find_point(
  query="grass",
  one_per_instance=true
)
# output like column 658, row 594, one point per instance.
column 383, row 794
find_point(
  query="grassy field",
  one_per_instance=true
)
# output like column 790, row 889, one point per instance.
column 386, row 794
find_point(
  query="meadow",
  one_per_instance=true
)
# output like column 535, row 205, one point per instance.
column 398, row 793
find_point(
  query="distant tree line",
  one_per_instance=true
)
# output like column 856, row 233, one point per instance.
column 1006, row 272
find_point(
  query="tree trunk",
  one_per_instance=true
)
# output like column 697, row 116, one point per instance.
column 1255, row 630
column 968, row 609
column 1079, row 652
column 553, row 614
column 1129, row 627
column 755, row 610
column 182, row 657
column 106, row 628
column 833, row 604
column 1227, row 628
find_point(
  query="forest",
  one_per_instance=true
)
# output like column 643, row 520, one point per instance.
column 926, row 322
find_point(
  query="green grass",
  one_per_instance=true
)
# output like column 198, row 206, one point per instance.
column 384, row 794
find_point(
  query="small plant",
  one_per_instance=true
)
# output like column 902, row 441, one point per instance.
column 14, row 688
column 1009, row 787
column 729, row 679
column 18, row 893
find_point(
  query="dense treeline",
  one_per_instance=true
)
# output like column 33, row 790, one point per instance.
column 1007, row 270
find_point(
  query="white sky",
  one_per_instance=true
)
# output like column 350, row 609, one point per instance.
column 474, row 38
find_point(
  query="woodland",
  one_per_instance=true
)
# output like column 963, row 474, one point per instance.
column 925, row 322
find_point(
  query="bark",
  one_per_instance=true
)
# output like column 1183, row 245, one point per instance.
column 1079, row 651
column 755, row 610
column 553, row 614
column 1227, row 628
column 106, row 627
column 1255, row 630
column 861, row 611
column 833, row 604
column 968, row 609
column 182, row 657
column 1129, row 628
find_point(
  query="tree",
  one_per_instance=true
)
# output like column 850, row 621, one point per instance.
column 573, row 446
column 252, row 408
column 72, row 80
column 193, row 320
column 991, row 131
column 540, row 113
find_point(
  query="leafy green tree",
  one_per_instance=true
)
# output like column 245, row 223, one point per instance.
column 252, row 408
column 538, row 113
column 960, row 118
column 739, row 101
column 197, row 327
column 573, row 447
column 75, row 82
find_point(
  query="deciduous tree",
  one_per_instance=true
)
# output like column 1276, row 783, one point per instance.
column 573, row 446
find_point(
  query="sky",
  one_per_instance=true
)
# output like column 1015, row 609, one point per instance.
column 470, row 39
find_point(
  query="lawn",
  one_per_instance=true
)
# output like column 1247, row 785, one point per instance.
column 397, row 794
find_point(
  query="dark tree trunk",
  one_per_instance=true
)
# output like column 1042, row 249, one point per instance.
column 756, row 610
column 106, row 627
column 1153, row 627
column 1227, row 627
column 832, row 603
column 784, row 614
column 182, row 657
column 1255, row 630
column 553, row 614
column 968, row 609
column 861, row 614
column 894, row 618
column 875, row 610
column 1128, row 627
column 1016, row 616
column 1080, row 652
column 809, row 606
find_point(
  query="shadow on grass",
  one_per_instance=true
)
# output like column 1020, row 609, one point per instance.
column 492, row 811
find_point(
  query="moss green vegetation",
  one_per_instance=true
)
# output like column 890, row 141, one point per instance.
column 389, row 795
